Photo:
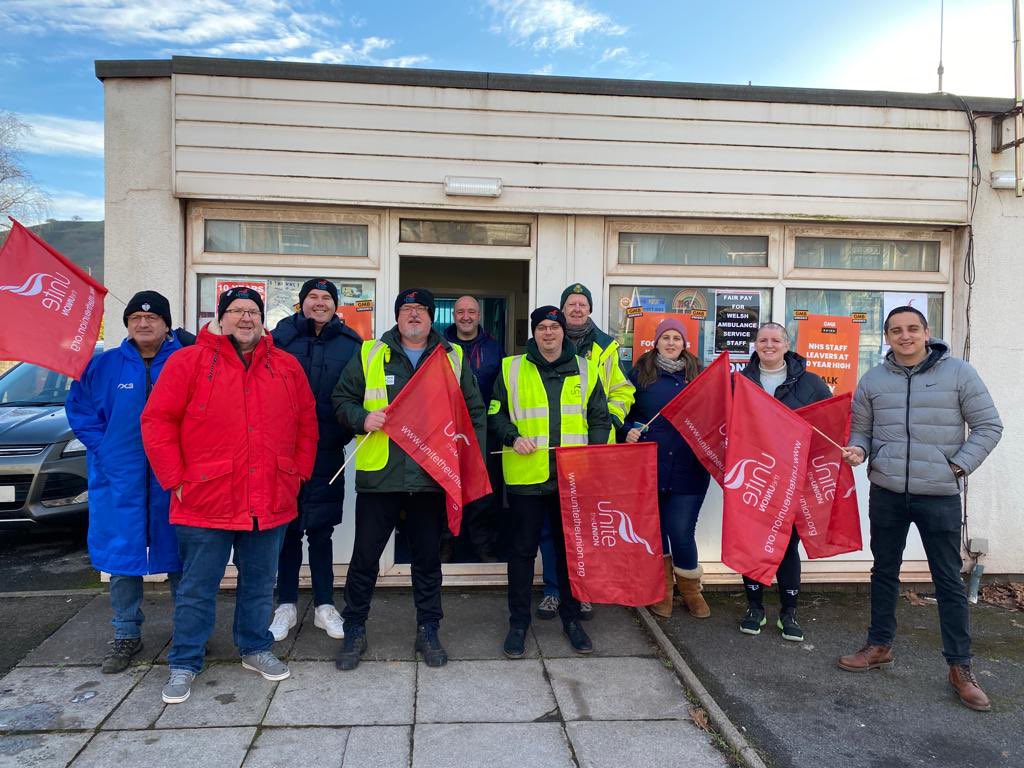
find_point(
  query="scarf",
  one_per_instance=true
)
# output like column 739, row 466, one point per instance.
column 667, row 364
column 576, row 335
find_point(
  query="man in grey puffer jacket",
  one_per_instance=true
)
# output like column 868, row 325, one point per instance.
column 909, row 414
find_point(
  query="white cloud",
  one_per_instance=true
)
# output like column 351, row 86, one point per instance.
column 547, row 69
column 363, row 52
column 64, row 204
column 53, row 135
column 613, row 53
column 550, row 24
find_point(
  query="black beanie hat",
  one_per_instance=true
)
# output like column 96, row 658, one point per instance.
column 581, row 290
column 416, row 296
column 540, row 314
column 239, row 292
column 318, row 284
column 149, row 301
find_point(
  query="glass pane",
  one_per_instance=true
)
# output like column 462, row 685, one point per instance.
column 834, row 253
column 847, row 303
column 281, row 298
column 464, row 232
column 693, row 250
column 625, row 301
column 286, row 237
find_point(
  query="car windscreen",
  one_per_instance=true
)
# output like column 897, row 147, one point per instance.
column 28, row 384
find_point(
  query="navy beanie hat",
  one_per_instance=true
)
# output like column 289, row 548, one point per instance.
column 318, row 284
column 240, row 292
column 416, row 296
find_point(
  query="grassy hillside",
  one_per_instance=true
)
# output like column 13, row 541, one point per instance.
column 79, row 241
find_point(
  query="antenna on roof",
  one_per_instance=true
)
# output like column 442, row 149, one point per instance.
column 942, row 13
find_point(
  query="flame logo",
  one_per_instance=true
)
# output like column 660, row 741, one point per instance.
column 626, row 530
column 449, row 431
column 31, row 287
column 849, row 491
column 737, row 475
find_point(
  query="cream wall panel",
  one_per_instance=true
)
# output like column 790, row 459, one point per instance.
column 641, row 154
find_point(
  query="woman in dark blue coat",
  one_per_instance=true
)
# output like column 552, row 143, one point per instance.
column 784, row 375
column 659, row 375
column 323, row 345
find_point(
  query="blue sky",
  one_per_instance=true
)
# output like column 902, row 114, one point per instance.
column 46, row 60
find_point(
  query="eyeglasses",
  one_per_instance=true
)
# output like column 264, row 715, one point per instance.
column 242, row 312
column 137, row 318
column 408, row 309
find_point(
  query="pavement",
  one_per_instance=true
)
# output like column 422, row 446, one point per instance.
column 621, row 706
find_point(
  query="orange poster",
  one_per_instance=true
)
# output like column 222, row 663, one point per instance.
column 360, row 321
column 260, row 286
column 831, row 344
column 645, row 325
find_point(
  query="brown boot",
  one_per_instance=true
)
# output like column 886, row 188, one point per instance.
column 663, row 608
column 868, row 657
column 688, row 582
column 966, row 686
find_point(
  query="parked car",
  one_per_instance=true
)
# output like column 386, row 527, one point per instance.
column 43, row 478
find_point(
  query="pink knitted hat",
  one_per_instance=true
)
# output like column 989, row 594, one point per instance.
column 669, row 324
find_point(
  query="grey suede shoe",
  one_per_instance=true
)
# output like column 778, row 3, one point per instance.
column 267, row 664
column 179, row 686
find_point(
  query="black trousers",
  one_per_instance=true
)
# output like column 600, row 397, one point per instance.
column 321, row 564
column 938, row 520
column 377, row 516
column 788, row 577
column 526, row 518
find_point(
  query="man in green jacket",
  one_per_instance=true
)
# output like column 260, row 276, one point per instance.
column 546, row 398
column 389, row 482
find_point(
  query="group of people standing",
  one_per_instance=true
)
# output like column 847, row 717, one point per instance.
column 200, row 447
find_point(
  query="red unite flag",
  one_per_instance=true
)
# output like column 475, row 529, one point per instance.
column 767, row 460
column 827, row 516
column 51, row 308
column 612, row 530
column 700, row 413
column 429, row 421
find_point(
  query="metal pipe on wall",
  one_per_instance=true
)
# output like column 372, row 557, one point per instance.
column 1018, row 118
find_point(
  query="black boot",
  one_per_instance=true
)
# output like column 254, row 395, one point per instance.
column 515, row 643
column 352, row 648
column 578, row 639
column 120, row 653
column 429, row 644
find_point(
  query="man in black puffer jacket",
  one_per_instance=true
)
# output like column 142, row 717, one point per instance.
column 323, row 345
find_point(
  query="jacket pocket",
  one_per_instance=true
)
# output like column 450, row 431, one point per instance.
column 207, row 488
column 287, row 484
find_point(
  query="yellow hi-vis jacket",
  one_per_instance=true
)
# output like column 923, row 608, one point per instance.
column 617, row 388
column 528, row 410
column 373, row 354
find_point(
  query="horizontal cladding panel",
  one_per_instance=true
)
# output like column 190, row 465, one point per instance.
column 552, row 125
column 218, row 186
column 520, row 101
column 566, row 151
column 542, row 176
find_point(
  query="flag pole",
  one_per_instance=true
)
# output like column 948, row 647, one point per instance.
column 347, row 461
column 837, row 445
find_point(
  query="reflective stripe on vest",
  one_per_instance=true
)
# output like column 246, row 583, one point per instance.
column 374, row 354
column 528, row 410
column 619, row 391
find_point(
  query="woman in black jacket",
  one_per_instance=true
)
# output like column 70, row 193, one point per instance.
column 784, row 375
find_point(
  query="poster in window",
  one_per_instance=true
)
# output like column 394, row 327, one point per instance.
column 831, row 345
column 737, row 314
column 260, row 286
column 358, row 318
column 645, row 325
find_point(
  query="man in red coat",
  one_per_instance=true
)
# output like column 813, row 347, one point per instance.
column 231, row 429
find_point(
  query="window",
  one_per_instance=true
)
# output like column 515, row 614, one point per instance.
column 693, row 250
column 227, row 236
column 464, row 232
column 281, row 296
column 892, row 255
column 723, row 317
column 848, row 303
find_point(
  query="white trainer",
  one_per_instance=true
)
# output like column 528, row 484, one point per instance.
column 327, row 618
column 285, row 618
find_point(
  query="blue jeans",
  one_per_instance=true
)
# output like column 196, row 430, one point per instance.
column 204, row 554
column 678, row 514
column 547, row 561
column 126, row 601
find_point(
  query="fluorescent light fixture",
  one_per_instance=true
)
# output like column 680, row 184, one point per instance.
column 1004, row 180
column 472, row 186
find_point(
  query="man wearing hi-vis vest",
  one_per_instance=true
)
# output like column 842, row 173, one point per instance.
column 392, row 490
column 547, row 398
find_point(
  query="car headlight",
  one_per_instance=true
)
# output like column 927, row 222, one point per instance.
column 75, row 448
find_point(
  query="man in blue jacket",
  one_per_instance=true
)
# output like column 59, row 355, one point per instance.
column 484, row 354
column 323, row 345
column 129, row 532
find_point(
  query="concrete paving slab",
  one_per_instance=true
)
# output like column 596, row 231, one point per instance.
column 45, row 698
column 85, row 638
column 616, row 689
column 614, row 631
column 40, row 750
column 375, row 693
column 206, row 747
column 379, row 747
column 305, row 747
column 143, row 706
column 484, row 691
column 220, row 646
column 29, row 621
column 496, row 745
column 390, row 631
column 665, row 744
column 475, row 625
column 222, row 695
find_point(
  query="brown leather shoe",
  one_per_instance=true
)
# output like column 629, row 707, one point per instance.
column 868, row 657
column 966, row 686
